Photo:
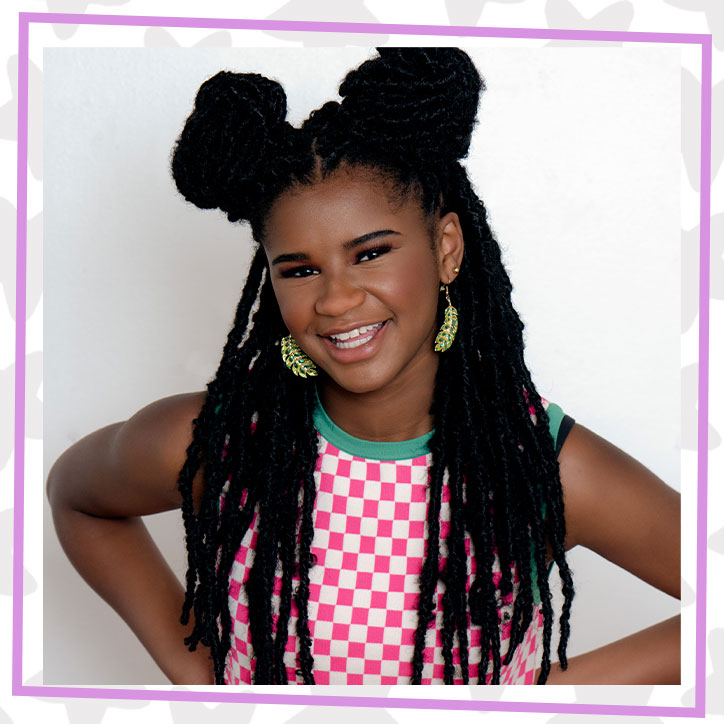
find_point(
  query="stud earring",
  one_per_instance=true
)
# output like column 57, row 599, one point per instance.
column 449, row 328
column 296, row 360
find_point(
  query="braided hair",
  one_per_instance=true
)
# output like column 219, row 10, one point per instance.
column 408, row 115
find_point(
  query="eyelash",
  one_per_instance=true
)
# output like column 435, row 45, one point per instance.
column 301, row 272
column 296, row 272
column 378, row 251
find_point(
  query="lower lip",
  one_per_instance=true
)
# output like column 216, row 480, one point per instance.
column 355, row 354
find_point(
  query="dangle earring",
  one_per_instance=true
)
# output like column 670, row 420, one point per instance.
column 449, row 328
column 296, row 360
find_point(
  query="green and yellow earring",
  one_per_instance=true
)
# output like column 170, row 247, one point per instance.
column 296, row 360
column 448, row 330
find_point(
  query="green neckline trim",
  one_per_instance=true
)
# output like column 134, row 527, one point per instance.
column 403, row 450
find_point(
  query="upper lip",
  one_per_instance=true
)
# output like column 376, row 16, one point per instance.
column 349, row 328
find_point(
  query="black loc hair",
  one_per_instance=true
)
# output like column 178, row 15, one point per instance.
column 407, row 115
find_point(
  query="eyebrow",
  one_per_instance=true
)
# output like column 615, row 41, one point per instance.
column 347, row 246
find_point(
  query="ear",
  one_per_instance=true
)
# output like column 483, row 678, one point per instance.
column 449, row 245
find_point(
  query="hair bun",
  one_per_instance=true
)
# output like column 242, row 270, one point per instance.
column 419, row 99
column 237, row 119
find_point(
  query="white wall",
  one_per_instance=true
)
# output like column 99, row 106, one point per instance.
column 577, row 159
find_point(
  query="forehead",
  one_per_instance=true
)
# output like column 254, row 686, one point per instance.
column 344, row 205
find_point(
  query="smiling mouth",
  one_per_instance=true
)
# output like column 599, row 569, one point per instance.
column 355, row 337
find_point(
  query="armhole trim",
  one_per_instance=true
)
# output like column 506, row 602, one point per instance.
column 565, row 427
column 559, row 425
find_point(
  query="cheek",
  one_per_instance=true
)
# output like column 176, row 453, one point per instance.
column 416, row 286
column 293, row 308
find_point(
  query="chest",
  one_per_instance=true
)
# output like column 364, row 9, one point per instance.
column 369, row 542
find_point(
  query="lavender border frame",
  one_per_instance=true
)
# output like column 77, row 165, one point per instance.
column 705, row 41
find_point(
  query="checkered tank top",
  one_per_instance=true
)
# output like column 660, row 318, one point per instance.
column 369, row 540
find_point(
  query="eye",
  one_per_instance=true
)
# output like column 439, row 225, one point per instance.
column 298, row 272
column 374, row 253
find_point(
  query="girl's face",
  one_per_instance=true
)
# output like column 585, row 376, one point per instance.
column 357, row 275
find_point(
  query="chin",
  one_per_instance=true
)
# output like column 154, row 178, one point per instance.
column 361, row 383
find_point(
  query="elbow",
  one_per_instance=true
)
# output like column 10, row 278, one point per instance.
column 52, row 484
column 74, row 483
column 55, row 485
column 67, row 476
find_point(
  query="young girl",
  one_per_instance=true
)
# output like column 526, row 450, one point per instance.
column 372, row 458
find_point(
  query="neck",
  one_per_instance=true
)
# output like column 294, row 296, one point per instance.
column 392, row 414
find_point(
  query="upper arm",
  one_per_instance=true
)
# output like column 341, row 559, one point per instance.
column 620, row 509
column 129, row 468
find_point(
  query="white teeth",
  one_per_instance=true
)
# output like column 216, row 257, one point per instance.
column 361, row 336
column 353, row 333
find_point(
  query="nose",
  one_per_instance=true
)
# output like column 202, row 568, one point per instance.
column 338, row 295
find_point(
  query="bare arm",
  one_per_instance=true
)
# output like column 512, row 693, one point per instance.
column 622, row 511
column 98, row 489
column 651, row 656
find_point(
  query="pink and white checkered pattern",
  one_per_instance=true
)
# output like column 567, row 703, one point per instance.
column 369, row 541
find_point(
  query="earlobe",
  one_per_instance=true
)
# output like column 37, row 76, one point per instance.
column 451, row 246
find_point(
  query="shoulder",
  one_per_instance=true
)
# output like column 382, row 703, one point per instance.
column 131, row 467
column 160, row 432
